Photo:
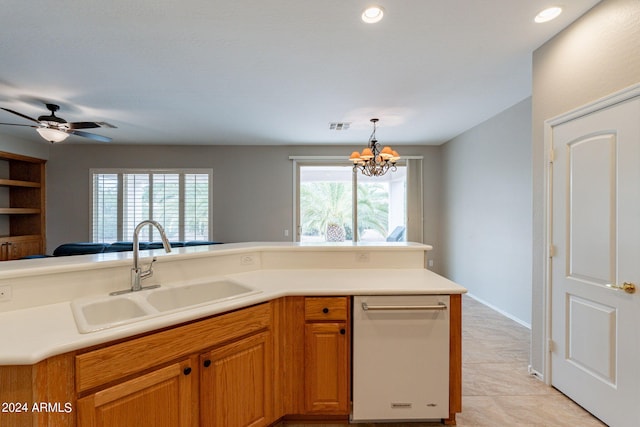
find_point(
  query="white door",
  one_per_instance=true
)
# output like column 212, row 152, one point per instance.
column 596, row 239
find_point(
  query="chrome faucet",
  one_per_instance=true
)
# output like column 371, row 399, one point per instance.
column 137, row 273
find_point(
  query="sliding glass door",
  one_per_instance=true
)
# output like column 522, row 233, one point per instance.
column 336, row 205
column 382, row 207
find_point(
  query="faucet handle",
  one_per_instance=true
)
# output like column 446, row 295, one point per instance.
column 148, row 272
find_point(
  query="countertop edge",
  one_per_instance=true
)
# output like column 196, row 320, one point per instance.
column 43, row 343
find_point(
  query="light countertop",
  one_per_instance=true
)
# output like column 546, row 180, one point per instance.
column 36, row 333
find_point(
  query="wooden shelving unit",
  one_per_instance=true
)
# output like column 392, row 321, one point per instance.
column 19, row 211
column 16, row 183
column 25, row 181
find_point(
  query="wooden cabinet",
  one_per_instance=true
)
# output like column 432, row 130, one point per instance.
column 326, row 368
column 327, row 356
column 159, row 398
column 218, row 370
column 288, row 358
column 19, row 246
column 22, row 206
column 236, row 383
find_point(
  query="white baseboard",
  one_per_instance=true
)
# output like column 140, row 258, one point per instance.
column 535, row 373
column 504, row 313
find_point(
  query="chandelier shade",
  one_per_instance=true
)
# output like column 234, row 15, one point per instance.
column 373, row 161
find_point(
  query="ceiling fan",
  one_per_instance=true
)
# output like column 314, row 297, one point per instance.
column 56, row 129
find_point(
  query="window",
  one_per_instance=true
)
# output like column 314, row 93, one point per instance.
column 337, row 205
column 178, row 199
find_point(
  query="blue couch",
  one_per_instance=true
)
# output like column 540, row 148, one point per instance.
column 83, row 248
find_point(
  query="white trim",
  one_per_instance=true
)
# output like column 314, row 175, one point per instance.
column 211, row 205
column 294, row 206
column 535, row 373
column 599, row 104
column 149, row 171
column 319, row 158
column 354, row 206
column 120, row 210
column 181, row 209
column 334, row 158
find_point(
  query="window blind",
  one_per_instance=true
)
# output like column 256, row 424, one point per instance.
column 177, row 199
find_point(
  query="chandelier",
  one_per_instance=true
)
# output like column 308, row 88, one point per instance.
column 372, row 161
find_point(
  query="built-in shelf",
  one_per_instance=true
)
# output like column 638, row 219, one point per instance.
column 22, row 206
column 19, row 211
column 17, row 183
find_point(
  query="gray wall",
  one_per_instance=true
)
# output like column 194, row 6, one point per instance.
column 595, row 56
column 35, row 147
column 252, row 186
column 486, row 211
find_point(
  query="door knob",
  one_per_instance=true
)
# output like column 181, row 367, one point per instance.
column 629, row 288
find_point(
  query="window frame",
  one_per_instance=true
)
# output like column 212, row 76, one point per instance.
column 302, row 161
column 147, row 171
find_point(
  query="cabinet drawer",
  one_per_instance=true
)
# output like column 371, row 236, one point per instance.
column 326, row 308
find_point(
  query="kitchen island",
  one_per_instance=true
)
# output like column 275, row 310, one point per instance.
column 188, row 354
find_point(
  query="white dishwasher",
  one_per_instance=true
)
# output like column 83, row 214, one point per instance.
column 400, row 358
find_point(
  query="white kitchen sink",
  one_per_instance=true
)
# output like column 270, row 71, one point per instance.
column 101, row 312
column 203, row 293
column 93, row 315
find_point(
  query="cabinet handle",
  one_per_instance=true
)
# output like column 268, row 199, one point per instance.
column 187, row 371
column 207, row 363
column 325, row 310
column 343, row 331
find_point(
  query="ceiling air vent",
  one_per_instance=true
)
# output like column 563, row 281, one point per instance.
column 339, row 125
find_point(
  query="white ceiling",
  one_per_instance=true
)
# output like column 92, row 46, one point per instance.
column 269, row 72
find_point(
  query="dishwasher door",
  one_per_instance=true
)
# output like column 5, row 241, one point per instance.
column 400, row 358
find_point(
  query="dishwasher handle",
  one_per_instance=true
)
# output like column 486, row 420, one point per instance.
column 367, row 307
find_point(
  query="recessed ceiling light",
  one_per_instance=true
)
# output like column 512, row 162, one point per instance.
column 372, row 14
column 548, row 14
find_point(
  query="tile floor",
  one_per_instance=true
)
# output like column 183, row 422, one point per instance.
column 496, row 387
column 497, row 391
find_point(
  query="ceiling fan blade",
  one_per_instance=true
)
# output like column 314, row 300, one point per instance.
column 91, row 136
column 84, row 125
column 15, row 124
column 90, row 125
column 21, row 115
column 106, row 125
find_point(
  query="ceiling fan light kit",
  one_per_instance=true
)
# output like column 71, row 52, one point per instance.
column 56, row 129
column 52, row 135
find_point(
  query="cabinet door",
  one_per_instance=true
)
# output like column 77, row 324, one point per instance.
column 236, row 383
column 159, row 398
column 19, row 247
column 326, row 368
column 4, row 251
